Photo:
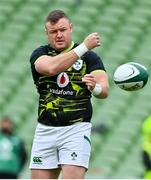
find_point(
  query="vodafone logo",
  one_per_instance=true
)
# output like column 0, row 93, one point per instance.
column 62, row 80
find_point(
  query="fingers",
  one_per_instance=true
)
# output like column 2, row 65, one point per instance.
column 89, row 80
column 87, row 77
column 92, row 40
column 97, row 37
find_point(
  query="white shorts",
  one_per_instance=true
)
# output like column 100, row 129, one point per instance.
column 55, row 146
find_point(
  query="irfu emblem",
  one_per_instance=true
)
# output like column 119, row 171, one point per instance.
column 78, row 64
column 74, row 156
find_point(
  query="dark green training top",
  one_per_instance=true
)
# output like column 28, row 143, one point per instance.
column 12, row 154
column 64, row 98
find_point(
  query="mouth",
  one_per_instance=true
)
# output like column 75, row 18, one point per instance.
column 59, row 44
column 59, row 41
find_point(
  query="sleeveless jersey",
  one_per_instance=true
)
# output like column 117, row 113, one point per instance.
column 64, row 99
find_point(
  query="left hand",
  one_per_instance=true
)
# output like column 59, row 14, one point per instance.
column 89, row 80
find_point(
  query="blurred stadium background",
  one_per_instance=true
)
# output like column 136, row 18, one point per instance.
column 125, row 31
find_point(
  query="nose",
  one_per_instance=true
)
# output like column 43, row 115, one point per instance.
column 59, row 34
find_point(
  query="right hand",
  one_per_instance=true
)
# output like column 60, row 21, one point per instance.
column 89, row 80
column 92, row 40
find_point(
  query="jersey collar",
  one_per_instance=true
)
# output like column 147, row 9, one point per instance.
column 69, row 48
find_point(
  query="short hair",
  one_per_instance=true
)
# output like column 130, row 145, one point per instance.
column 7, row 119
column 55, row 15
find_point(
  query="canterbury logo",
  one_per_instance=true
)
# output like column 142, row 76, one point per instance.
column 37, row 160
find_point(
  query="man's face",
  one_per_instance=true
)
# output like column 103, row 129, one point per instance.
column 6, row 126
column 59, row 34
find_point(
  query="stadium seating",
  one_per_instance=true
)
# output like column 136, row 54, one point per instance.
column 125, row 35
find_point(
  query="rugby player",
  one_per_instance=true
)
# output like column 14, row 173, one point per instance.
column 66, row 75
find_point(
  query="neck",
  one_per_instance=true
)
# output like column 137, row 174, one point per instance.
column 69, row 48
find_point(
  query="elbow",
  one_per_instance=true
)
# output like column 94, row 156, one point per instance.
column 52, row 71
column 104, row 94
column 46, row 70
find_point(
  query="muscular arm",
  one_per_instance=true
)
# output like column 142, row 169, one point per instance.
column 102, row 79
column 51, row 66
column 99, row 77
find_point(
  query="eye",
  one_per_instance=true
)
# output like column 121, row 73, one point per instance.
column 63, row 29
column 52, row 32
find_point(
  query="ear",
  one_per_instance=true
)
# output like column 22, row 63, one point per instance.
column 71, row 27
column 45, row 30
